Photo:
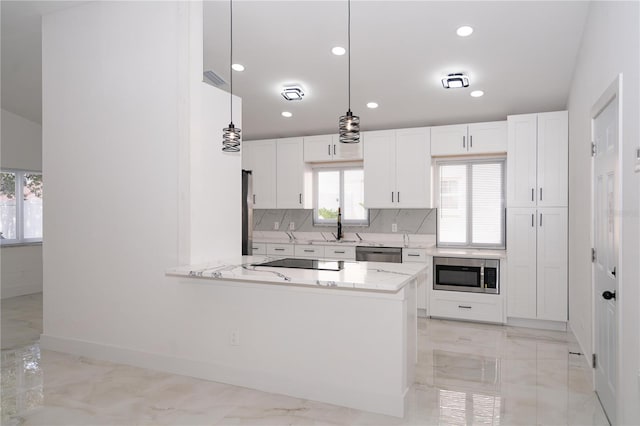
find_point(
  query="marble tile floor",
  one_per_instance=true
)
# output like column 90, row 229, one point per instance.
column 467, row 374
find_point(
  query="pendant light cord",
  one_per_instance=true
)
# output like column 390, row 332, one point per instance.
column 231, row 58
column 349, row 47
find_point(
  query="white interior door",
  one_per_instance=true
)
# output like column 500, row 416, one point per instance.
column 606, row 240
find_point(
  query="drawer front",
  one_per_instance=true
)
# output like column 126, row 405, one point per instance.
column 316, row 252
column 458, row 308
column 340, row 252
column 414, row 255
column 259, row 248
column 280, row 249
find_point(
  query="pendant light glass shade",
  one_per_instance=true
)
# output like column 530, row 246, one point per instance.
column 231, row 135
column 349, row 124
column 349, row 128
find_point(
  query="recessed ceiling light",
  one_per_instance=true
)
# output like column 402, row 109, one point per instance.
column 338, row 50
column 455, row 81
column 292, row 93
column 237, row 67
column 287, row 114
column 372, row 105
column 477, row 93
column 464, row 31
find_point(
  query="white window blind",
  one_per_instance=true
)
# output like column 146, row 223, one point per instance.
column 471, row 203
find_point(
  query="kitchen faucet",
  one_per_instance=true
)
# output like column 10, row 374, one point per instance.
column 405, row 239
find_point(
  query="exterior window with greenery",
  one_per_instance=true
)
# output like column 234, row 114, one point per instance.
column 470, row 199
column 20, row 207
column 341, row 187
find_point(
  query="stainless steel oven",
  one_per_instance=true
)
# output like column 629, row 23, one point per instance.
column 466, row 274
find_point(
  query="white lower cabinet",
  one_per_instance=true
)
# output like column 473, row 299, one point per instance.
column 537, row 267
column 466, row 306
column 340, row 252
column 279, row 249
column 259, row 249
column 316, row 252
column 424, row 280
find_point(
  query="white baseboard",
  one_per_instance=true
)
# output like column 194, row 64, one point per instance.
column 22, row 290
column 295, row 386
column 539, row 324
column 586, row 352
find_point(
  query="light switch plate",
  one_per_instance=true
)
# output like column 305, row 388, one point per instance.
column 292, row 226
column 394, row 227
column 276, row 225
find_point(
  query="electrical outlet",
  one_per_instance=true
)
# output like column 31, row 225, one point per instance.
column 276, row 225
column 292, row 226
column 234, row 337
column 394, row 227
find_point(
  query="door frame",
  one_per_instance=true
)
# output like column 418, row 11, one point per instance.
column 613, row 93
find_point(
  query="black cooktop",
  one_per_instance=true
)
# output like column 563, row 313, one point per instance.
column 319, row 265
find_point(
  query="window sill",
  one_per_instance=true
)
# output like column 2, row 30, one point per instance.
column 33, row 243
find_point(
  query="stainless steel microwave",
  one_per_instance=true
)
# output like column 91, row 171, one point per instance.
column 465, row 274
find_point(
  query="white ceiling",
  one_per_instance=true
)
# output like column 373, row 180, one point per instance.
column 522, row 54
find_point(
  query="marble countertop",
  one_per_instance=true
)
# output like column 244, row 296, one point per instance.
column 367, row 276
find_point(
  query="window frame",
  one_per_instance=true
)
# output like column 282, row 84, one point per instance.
column 468, row 162
column 20, row 238
column 341, row 169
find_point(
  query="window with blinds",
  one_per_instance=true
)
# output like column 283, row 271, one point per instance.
column 471, row 196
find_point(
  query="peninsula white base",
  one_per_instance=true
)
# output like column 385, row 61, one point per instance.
column 352, row 348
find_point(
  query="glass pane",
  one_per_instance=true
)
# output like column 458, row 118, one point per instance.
column 487, row 203
column 8, row 206
column 32, row 205
column 328, row 195
column 453, row 203
column 354, row 195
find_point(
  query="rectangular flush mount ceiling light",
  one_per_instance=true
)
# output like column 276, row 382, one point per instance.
column 292, row 93
column 455, row 81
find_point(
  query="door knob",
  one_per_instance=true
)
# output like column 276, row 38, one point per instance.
column 609, row 295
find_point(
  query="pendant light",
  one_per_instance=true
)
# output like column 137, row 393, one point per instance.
column 231, row 134
column 349, row 124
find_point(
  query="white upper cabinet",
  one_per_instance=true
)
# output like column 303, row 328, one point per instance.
column 397, row 168
column 469, row 139
column 293, row 177
column 537, row 160
column 260, row 157
column 324, row 148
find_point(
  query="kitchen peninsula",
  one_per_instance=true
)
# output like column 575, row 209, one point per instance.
column 346, row 337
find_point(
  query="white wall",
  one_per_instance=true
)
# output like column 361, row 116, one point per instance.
column 610, row 45
column 120, row 132
column 21, row 148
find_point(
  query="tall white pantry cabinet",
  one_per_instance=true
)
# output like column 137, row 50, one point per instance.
column 537, row 228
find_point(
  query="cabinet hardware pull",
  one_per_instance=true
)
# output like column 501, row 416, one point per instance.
column 278, row 249
column 540, row 193
column 308, row 251
column 471, row 141
column 300, row 198
column 334, row 149
column 532, row 191
column 413, row 255
column 338, row 251
column 398, row 196
column 329, row 149
column 254, row 198
column 540, row 220
column 464, row 145
column 464, row 306
column 392, row 196
column 532, row 224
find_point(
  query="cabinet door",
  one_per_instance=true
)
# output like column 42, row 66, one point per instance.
column 260, row 158
column 347, row 151
column 521, row 160
column 318, row 148
column 449, row 140
column 552, row 263
column 380, row 169
column 413, row 168
column 521, row 284
column 488, row 138
column 291, row 174
column 553, row 160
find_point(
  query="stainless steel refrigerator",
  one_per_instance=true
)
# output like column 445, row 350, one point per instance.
column 247, row 213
